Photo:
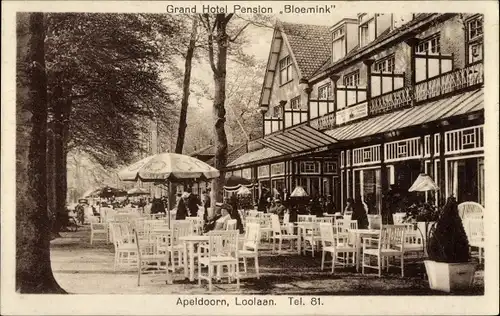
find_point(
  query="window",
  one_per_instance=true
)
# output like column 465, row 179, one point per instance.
column 352, row 79
column 325, row 91
column 309, row 167
column 385, row 65
column 330, row 167
column 285, row 70
column 429, row 46
column 366, row 31
column 475, row 29
column 338, row 44
column 475, row 39
column 295, row 103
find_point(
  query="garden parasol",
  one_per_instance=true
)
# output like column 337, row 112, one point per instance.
column 137, row 192
column 168, row 167
column 233, row 183
column 107, row 191
column 299, row 192
column 171, row 167
column 243, row 191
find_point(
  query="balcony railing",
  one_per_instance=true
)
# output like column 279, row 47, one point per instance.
column 391, row 101
column 450, row 82
column 444, row 84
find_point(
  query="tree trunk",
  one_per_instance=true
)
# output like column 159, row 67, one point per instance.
column 185, row 88
column 33, row 268
column 51, row 167
column 219, row 111
column 62, row 108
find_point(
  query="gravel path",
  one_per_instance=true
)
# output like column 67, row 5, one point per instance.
column 85, row 269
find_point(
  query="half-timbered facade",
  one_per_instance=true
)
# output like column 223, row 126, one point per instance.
column 370, row 102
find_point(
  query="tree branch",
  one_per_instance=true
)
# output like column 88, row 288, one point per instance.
column 239, row 33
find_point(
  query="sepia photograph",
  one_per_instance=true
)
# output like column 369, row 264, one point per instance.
column 247, row 158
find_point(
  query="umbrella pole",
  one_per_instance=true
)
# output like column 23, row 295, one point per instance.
column 169, row 202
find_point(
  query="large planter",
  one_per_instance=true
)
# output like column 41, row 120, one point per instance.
column 449, row 277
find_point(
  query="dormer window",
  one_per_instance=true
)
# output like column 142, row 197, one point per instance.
column 366, row 29
column 339, row 44
column 352, row 79
column 475, row 39
column 429, row 46
column 285, row 70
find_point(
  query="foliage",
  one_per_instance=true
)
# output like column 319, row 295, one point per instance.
column 110, row 66
column 245, row 202
column 421, row 212
column 448, row 241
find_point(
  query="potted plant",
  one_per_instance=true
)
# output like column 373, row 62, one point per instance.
column 423, row 214
column 448, row 266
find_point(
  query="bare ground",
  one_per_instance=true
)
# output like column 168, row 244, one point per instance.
column 81, row 268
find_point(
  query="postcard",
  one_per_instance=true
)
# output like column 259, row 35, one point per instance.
column 244, row 158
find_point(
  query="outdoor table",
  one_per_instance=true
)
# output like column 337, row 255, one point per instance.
column 358, row 235
column 189, row 242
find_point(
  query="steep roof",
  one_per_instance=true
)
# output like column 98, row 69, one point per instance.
column 327, row 63
column 233, row 153
column 310, row 45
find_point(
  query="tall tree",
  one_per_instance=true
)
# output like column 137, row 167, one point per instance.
column 219, row 40
column 186, row 86
column 105, row 75
column 33, row 269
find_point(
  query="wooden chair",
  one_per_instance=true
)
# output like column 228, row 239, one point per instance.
column 398, row 218
column 474, row 227
column 222, row 251
column 98, row 232
column 470, row 209
column 152, row 257
column 328, row 219
column 305, row 218
column 413, row 241
column 180, row 228
column 125, row 248
column 310, row 236
column 231, row 224
column 374, row 221
column 281, row 235
column 250, row 246
column 330, row 245
column 389, row 244
column 197, row 223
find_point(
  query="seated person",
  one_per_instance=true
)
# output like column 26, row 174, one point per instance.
column 278, row 209
column 221, row 223
column 210, row 224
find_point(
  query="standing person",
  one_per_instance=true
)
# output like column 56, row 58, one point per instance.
column 193, row 204
column 329, row 205
column 278, row 209
column 285, row 197
column 262, row 205
column 182, row 210
column 349, row 207
column 316, row 207
column 233, row 201
column 206, row 204
column 157, row 207
column 359, row 214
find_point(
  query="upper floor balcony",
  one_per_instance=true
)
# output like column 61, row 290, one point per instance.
column 426, row 90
